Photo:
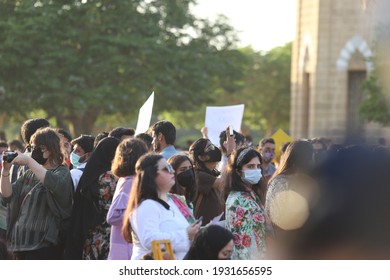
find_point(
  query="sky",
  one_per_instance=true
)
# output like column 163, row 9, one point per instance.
column 263, row 24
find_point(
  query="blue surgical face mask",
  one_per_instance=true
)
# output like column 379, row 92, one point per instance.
column 251, row 176
column 74, row 159
column 268, row 156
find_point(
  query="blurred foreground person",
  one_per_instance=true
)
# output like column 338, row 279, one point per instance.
column 349, row 216
column 291, row 173
column 212, row 242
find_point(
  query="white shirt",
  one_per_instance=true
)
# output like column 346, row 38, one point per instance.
column 76, row 174
column 152, row 221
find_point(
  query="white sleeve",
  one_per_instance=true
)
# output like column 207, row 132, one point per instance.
column 146, row 221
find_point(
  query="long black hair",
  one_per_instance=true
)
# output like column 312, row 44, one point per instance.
column 144, row 187
column 232, row 180
column 208, row 242
column 85, row 213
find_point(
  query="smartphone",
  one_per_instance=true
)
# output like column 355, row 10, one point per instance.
column 231, row 131
column 199, row 220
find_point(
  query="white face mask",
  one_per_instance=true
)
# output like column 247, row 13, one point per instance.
column 252, row 176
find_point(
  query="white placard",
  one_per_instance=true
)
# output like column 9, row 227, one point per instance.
column 218, row 118
column 145, row 115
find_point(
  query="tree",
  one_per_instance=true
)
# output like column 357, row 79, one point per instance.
column 264, row 89
column 79, row 60
column 268, row 89
column 374, row 107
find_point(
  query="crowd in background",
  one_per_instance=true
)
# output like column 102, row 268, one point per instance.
column 111, row 196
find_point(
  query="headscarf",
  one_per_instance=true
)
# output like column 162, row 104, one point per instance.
column 85, row 214
column 208, row 242
column 98, row 163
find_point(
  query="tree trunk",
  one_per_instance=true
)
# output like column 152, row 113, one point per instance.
column 83, row 123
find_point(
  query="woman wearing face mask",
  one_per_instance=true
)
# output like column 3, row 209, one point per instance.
column 208, row 202
column 152, row 213
column 185, row 178
column 245, row 214
column 39, row 200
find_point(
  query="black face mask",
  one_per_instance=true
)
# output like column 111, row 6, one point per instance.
column 38, row 156
column 186, row 178
column 214, row 155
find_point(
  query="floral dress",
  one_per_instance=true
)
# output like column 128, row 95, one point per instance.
column 246, row 219
column 97, row 244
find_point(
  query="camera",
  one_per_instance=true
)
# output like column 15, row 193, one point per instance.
column 9, row 156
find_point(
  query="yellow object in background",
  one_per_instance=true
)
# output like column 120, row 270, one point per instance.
column 162, row 253
column 280, row 138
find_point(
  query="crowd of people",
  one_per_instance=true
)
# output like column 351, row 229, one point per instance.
column 113, row 195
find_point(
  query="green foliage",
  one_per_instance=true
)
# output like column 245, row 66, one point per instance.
column 79, row 61
column 374, row 108
column 264, row 89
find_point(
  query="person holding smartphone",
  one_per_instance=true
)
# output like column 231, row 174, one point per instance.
column 154, row 214
column 229, row 140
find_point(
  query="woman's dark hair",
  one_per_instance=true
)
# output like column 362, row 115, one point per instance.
column 88, row 188
column 49, row 138
column 99, row 163
column 126, row 156
column 298, row 157
column 197, row 149
column 232, row 177
column 144, row 187
column 208, row 242
column 189, row 193
column 99, row 137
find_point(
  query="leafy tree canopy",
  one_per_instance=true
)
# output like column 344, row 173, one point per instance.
column 79, row 60
column 374, row 107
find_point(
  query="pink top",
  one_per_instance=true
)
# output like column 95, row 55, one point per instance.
column 120, row 249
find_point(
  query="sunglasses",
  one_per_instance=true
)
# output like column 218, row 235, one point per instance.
column 210, row 148
column 168, row 168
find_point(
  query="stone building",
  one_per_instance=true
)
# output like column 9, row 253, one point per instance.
column 332, row 54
